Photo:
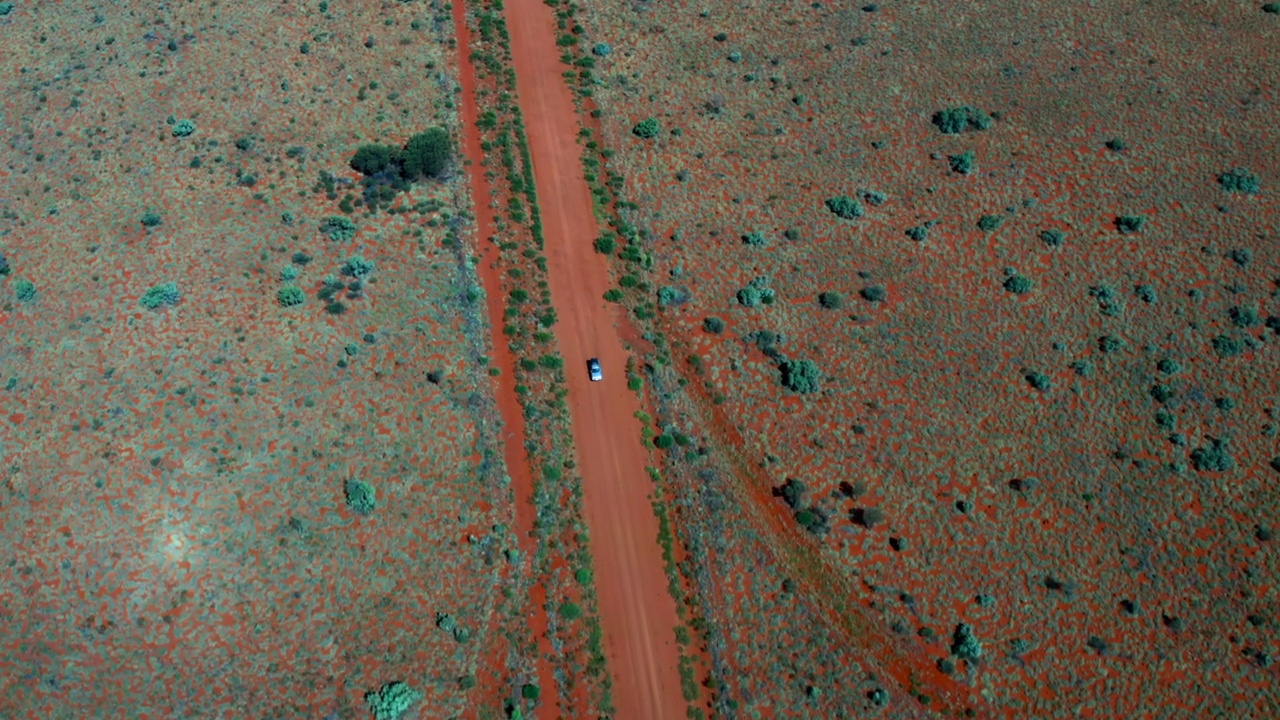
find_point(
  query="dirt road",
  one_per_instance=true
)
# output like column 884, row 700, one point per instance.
column 637, row 613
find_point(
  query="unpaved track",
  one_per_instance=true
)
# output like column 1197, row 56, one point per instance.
column 636, row 611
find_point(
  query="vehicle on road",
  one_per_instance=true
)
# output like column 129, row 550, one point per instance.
column 593, row 370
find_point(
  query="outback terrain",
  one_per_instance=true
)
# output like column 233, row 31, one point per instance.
column 972, row 320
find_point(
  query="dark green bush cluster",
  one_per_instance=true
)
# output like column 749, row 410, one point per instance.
column 360, row 496
column 713, row 325
column 989, row 223
column 647, row 129
column 831, row 300
column 161, row 295
column 920, row 232
column 1212, row 457
column 1226, row 346
column 1129, row 224
column 955, row 120
column 962, row 163
column 290, row 295
column 1018, row 284
column 1052, row 238
column 845, row 207
column 801, row 376
column 389, row 170
column 1239, row 180
column 811, row 518
column 391, row 701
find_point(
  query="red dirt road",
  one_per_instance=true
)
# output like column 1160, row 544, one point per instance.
column 636, row 611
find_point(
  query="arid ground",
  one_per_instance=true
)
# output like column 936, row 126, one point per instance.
column 939, row 342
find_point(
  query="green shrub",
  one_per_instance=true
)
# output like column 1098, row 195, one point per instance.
column 813, row 519
column 1128, row 224
column 356, row 266
column 1052, row 238
column 570, row 611
column 1226, row 346
column 713, row 325
column 530, row 691
column 1239, row 180
column 989, row 223
column 845, row 207
column 427, row 154
column 183, row 128
column 613, row 295
column 1038, row 380
column 392, row 700
column 962, row 163
column 338, row 228
column 373, row 158
column 955, row 120
column 551, row 362
column 1168, row 366
column 1161, row 393
column 290, row 295
column 1110, row 344
column 160, row 295
column 150, row 219
column 647, row 129
column 831, row 300
column 1018, row 284
column 920, row 232
column 873, row 293
column 801, row 376
column 1212, row 457
column 964, row 644
column 1240, row 256
column 288, row 273
column 605, row 244
column 755, row 239
column 1083, row 368
column 24, row 290
column 1244, row 316
column 1116, row 144
column 360, row 496
column 1145, row 293
column 664, row 441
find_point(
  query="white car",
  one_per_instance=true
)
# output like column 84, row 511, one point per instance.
column 593, row 370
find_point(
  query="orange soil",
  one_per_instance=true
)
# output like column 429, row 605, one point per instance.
column 636, row 612
column 512, row 414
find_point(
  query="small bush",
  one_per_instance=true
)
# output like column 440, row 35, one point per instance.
column 800, row 376
column 792, row 493
column 605, row 244
column 1129, row 224
column 360, row 496
column 1038, row 380
column 831, row 300
column 1116, row 145
column 1239, row 180
column 427, row 154
column 338, row 228
column 647, row 129
column 920, row 233
column 529, row 691
column 1145, row 293
column 183, row 128
column 755, row 239
column 962, row 163
column 814, row 520
column 873, row 293
column 713, row 325
column 1240, row 256
column 1168, row 366
column 955, row 120
column 288, row 273
column 1052, row 238
column 24, row 290
column 845, row 207
column 1244, row 316
column 990, row 223
column 150, row 219
column 161, row 295
column 1212, row 457
column 868, row 517
column 964, row 644
column 570, row 611
column 356, row 266
column 392, row 700
column 613, row 295
column 290, row 295
column 1018, row 284
column 373, row 158
column 1110, row 344
column 1161, row 393
column 1226, row 346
